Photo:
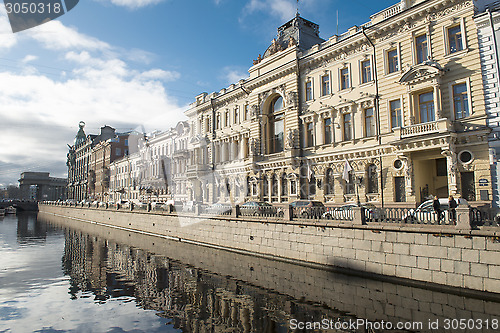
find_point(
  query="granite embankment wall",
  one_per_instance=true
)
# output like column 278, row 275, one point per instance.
column 364, row 298
column 442, row 255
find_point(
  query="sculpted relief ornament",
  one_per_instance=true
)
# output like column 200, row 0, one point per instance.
column 254, row 111
column 254, row 146
column 290, row 142
column 291, row 99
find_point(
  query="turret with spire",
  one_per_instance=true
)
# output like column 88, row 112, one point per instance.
column 298, row 32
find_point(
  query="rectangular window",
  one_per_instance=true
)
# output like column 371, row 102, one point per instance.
column 328, row 131
column 426, row 107
column 309, row 91
column 126, row 142
column 118, row 151
column 325, row 85
column 226, row 123
column 247, row 112
column 460, row 101
column 392, row 61
column 347, row 120
column 279, row 129
column 366, row 71
column 421, row 48
column 369, row 122
column 396, row 113
column 455, row 39
column 236, row 115
column 310, row 134
column 344, row 78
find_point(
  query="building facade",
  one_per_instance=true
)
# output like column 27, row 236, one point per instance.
column 390, row 112
column 40, row 186
column 89, row 158
column 157, row 172
column 488, row 27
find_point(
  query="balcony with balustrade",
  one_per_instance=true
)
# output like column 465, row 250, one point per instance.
column 439, row 126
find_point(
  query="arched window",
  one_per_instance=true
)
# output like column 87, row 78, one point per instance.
column 372, row 178
column 277, row 125
column 329, row 182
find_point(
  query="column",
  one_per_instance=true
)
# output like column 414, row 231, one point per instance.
column 451, row 165
column 320, row 133
column 437, row 104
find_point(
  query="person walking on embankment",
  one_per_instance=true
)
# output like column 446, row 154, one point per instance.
column 452, row 204
column 437, row 208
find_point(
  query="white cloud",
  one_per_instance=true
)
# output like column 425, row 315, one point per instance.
column 284, row 9
column 159, row 74
column 134, row 4
column 7, row 38
column 233, row 75
column 40, row 113
column 29, row 58
column 56, row 36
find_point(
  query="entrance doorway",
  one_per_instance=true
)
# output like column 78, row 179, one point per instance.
column 468, row 189
column 399, row 189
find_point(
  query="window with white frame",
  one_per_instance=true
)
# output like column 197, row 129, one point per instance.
column 325, row 85
column 247, row 112
column 347, row 124
column 345, row 81
column 460, row 100
column 226, row 122
column 366, row 71
column 421, row 48
column 369, row 122
column 395, row 109
column 454, row 36
column 328, row 130
column 392, row 61
column 309, row 134
column 237, row 115
column 309, row 90
column 426, row 107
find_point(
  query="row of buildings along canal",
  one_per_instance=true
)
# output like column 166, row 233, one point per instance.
column 392, row 111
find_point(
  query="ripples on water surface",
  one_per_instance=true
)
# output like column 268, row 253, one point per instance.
column 58, row 276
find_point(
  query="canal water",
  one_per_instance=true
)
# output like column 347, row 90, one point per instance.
column 58, row 275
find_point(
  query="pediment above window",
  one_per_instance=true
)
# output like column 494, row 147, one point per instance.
column 428, row 70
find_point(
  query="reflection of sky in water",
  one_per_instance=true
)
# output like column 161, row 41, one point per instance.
column 34, row 293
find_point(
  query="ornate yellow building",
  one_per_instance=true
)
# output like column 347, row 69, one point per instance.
column 392, row 111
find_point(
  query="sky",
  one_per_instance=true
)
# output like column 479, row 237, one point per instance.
column 133, row 64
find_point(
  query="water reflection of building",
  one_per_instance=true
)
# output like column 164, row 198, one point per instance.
column 204, row 289
column 195, row 301
column 28, row 230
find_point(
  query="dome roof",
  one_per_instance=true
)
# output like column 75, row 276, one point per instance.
column 80, row 136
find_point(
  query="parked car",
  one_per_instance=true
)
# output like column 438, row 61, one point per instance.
column 345, row 212
column 308, row 208
column 425, row 212
column 219, row 209
column 257, row 208
column 178, row 205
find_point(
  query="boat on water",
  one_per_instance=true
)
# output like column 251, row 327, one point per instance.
column 10, row 210
column 2, row 212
